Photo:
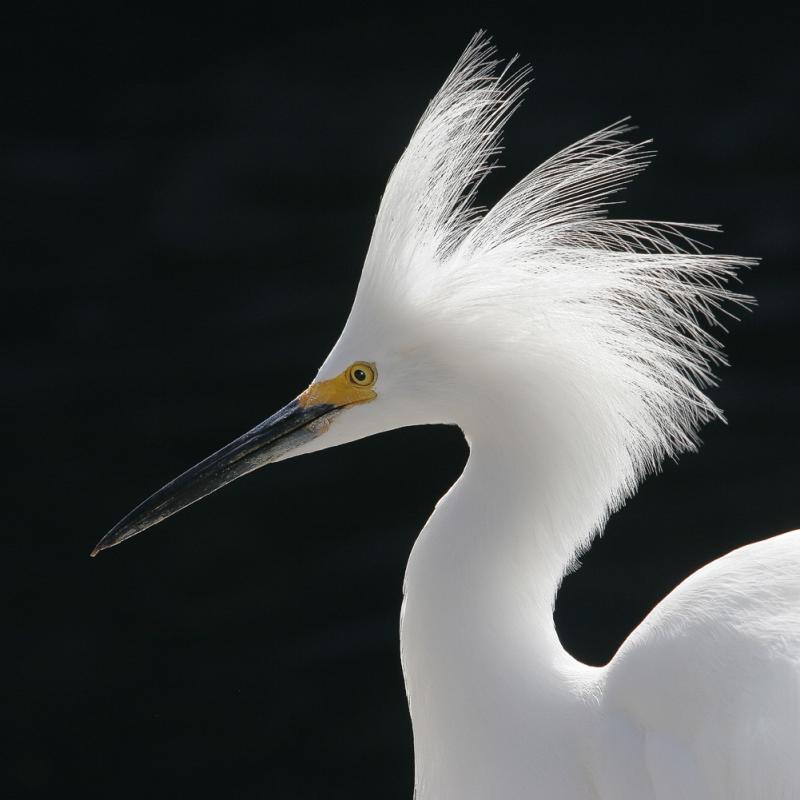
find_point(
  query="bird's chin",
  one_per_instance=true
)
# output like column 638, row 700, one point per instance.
column 345, row 425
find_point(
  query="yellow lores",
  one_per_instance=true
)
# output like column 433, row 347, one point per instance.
column 354, row 385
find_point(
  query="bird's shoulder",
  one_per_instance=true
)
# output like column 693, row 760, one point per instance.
column 751, row 596
column 709, row 683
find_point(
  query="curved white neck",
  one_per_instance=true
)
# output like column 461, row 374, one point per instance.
column 494, row 697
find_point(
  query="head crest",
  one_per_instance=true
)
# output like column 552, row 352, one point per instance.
column 620, row 304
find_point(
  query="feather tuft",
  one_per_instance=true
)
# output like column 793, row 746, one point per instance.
column 626, row 303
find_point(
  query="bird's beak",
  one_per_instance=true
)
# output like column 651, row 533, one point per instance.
column 302, row 420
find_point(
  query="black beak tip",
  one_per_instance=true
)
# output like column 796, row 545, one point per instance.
column 100, row 546
column 109, row 540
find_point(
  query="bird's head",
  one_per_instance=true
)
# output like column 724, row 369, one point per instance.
column 385, row 372
column 369, row 383
column 540, row 307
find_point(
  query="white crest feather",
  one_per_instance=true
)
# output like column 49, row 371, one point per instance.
column 622, row 301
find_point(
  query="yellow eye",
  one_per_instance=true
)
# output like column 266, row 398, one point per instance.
column 362, row 374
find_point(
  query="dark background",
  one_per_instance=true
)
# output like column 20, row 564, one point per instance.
column 186, row 203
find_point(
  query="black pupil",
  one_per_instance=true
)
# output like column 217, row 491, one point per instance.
column 360, row 375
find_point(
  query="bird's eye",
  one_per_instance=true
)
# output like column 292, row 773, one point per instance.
column 362, row 374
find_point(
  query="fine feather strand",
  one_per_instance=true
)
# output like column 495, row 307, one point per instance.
column 622, row 302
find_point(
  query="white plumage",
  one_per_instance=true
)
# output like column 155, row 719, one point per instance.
column 570, row 349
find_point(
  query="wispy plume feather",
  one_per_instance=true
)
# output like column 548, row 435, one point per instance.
column 428, row 202
column 625, row 302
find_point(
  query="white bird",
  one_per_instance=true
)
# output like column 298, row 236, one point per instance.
column 570, row 350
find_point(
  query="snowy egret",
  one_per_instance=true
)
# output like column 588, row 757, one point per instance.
column 569, row 348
